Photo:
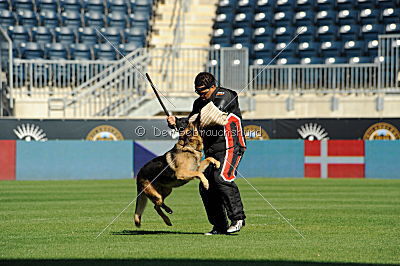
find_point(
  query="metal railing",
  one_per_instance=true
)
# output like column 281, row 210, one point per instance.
column 314, row 78
column 110, row 91
column 379, row 77
column 49, row 77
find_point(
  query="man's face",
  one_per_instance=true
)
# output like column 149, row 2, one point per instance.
column 204, row 92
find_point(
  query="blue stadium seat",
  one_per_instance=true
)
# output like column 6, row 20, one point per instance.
column 306, row 33
column 326, row 17
column 137, row 35
column 372, row 48
column 263, row 19
column 105, row 51
column 326, row 5
column 387, row 3
column 369, row 16
column 243, row 19
column 246, row 5
column 223, row 20
column 392, row 28
column 31, row 50
column 23, row 5
column 305, row 5
column 117, row 19
column 19, row 34
column 27, row 18
column 115, row 6
column 311, row 60
column 354, row 48
column 346, row 4
column 94, row 19
column 308, row 49
column 304, row 18
column 226, row 6
column 327, row 33
column 243, row 36
column 284, row 34
column 263, row 50
column 71, row 19
column 222, row 36
column 65, row 35
column 80, row 51
column 139, row 20
column 347, row 17
column 16, row 51
column 50, row 19
column 285, row 5
column 7, row 18
column 331, row 48
column 336, row 60
column 42, row 35
column 264, row 5
column 263, row 34
column 286, row 50
column 360, row 60
column 95, row 6
column 371, row 31
column 363, row 4
column 390, row 15
column 127, row 48
column 48, row 5
column 56, row 51
column 112, row 35
column 349, row 32
column 87, row 35
column 287, row 61
column 283, row 18
column 71, row 6
column 142, row 6
column 4, row 5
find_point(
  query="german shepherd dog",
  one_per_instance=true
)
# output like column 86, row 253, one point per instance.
column 175, row 168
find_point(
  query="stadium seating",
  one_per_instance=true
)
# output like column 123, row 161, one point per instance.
column 323, row 31
column 33, row 24
column 105, row 51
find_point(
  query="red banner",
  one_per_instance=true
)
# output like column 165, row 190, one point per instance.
column 7, row 159
column 334, row 159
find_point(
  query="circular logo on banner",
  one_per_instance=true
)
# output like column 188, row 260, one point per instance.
column 312, row 132
column 382, row 131
column 104, row 132
column 254, row 132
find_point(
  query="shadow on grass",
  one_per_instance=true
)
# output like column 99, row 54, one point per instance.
column 143, row 232
column 170, row 262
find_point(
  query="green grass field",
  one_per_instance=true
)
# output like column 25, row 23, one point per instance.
column 343, row 221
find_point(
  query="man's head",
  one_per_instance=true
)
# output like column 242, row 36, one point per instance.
column 204, row 84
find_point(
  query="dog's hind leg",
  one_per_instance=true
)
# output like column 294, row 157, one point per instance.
column 140, row 205
column 162, row 214
column 152, row 193
column 165, row 193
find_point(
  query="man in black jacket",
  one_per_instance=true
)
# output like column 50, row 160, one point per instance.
column 223, row 139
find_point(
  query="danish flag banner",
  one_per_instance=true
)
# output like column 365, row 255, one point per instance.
column 334, row 158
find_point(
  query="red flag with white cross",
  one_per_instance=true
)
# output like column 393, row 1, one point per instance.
column 334, row 158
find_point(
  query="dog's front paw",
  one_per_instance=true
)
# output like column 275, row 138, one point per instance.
column 205, row 183
column 217, row 164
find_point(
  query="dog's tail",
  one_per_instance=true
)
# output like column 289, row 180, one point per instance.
column 140, row 205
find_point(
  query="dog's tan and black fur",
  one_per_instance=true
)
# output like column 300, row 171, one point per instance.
column 175, row 168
